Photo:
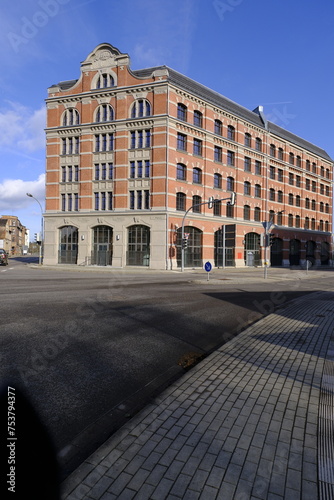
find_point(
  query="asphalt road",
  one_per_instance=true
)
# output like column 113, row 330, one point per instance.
column 91, row 348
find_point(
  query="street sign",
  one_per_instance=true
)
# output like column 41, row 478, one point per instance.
column 208, row 267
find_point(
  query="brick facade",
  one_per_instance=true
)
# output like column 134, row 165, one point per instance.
column 128, row 152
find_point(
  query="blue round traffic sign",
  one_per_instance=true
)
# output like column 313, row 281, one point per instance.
column 208, row 267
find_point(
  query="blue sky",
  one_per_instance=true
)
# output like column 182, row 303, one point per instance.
column 275, row 53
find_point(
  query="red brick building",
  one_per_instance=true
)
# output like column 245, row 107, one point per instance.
column 128, row 152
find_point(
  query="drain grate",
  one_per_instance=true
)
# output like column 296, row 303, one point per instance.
column 326, row 430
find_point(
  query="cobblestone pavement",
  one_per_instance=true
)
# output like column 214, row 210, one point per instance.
column 254, row 420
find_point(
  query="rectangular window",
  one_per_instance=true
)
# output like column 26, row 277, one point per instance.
column 298, row 181
column 76, row 202
column 148, row 139
column 132, row 200
column 70, row 173
column 247, row 164
column 139, row 200
column 258, row 167
column 97, row 201
column 272, row 172
column 291, row 179
column 218, row 154
column 147, row 168
column 314, row 187
column 217, row 208
column 230, row 158
column 139, row 169
column 104, row 171
column 97, row 143
column 181, row 142
column 133, row 139
column 63, row 202
column 63, row 174
column 103, row 201
column 146, row 199
column 197, row 147
column 280, row 175
column 307, row 184
column 69, row 202
column 111, row 171
column 132, row 169
column 110, row 205
column 97, row 172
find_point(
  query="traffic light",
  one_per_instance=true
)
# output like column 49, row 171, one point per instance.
column 232, row 200
column 37, row 238
column 210, row 202
column 185, row 243
column 271, row 239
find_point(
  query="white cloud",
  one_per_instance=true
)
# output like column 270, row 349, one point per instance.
column 13, row 193
column 22, row 127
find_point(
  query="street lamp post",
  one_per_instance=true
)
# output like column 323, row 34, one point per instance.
column 42, row 235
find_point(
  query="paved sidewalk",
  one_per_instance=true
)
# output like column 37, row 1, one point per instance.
column 254, row 420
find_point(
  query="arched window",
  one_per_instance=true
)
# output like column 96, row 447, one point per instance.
column 290, row 199
column 181, row 172
column 193, row 252
column 248, row 140
column 272, row 150
column 68, row 245
column 257, row 214
column 272, row 216
column 290, row 220
column 181, row 202
column 198, row 118
column 257, row 191
column 182, row 112
column 104, row 81
column 247, row 188
column 197, row 207
column 104, row 113
column 258, row 144
column 218, row 127
column 246, row 212
column 279, row 196
column 71, row 117
column 197, row 176
column 230, row 184
column 291, row 158
column 140, row 108
column 272, row 194
column 217, row 181
column 297, row 221
column 322, row 206
column 231, row 133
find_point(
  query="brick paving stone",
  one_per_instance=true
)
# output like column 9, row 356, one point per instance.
column 241, row 424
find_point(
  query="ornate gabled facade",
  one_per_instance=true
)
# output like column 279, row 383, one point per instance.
column 129, row 152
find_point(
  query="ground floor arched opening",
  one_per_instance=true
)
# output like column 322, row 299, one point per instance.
column 294, row 252
column 68, row 245
column 193, row 251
